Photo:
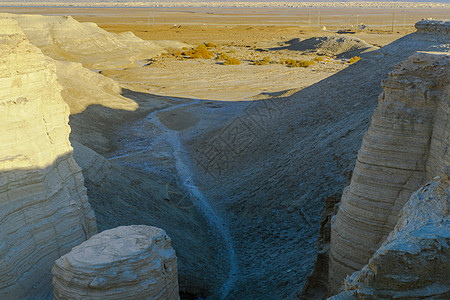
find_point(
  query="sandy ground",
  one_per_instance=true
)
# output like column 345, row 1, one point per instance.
column 210, row 80
column 256, row 170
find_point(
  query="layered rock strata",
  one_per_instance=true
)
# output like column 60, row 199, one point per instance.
column 44, row 210
column 406, row 145
column 413, row 262
column 128, row 262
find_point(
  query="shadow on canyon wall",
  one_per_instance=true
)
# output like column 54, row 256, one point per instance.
column 267, row 167
column 43, row 214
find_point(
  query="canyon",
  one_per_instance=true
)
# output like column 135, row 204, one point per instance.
column 239, row 186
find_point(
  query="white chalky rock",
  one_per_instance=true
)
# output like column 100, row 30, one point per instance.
column 128, row 262
column 44, row 209
column 406, row 145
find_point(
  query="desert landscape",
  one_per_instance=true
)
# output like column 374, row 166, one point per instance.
column 224, row 150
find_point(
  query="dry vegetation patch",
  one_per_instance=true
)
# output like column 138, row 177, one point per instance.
column 201, row 51
column 232, row 61
column 298, row 63
column 354, row 59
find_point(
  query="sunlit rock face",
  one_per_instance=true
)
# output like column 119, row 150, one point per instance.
column 64, row 38
column 44, row 210
column 127, row 262
column 413, row 262
column 406, row 145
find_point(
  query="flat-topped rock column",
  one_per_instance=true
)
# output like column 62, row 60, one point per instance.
column 127, row 262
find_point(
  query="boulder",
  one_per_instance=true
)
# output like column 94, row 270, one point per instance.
column 127, row 262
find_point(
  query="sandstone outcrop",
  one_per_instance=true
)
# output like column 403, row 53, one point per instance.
column 44, row 210
column 406, row 145
column 64, row 38
column 128, row 262
column 413, row 262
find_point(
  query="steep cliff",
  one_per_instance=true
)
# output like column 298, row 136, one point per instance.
column 127, row 262
column 44, row 210
column 406, row 145
column 413, row 262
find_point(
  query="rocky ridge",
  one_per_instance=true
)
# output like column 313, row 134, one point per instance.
column 339, row 46
column 44, row 209
column 433, row 26
column 64, row 38
column 405, row 146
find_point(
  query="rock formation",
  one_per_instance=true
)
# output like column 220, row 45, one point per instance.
column 406, row 145
column 433, row 26
column 413, row 262
column 44, row 210
column 128, row 262
column 64, row 38
column 341, row 46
